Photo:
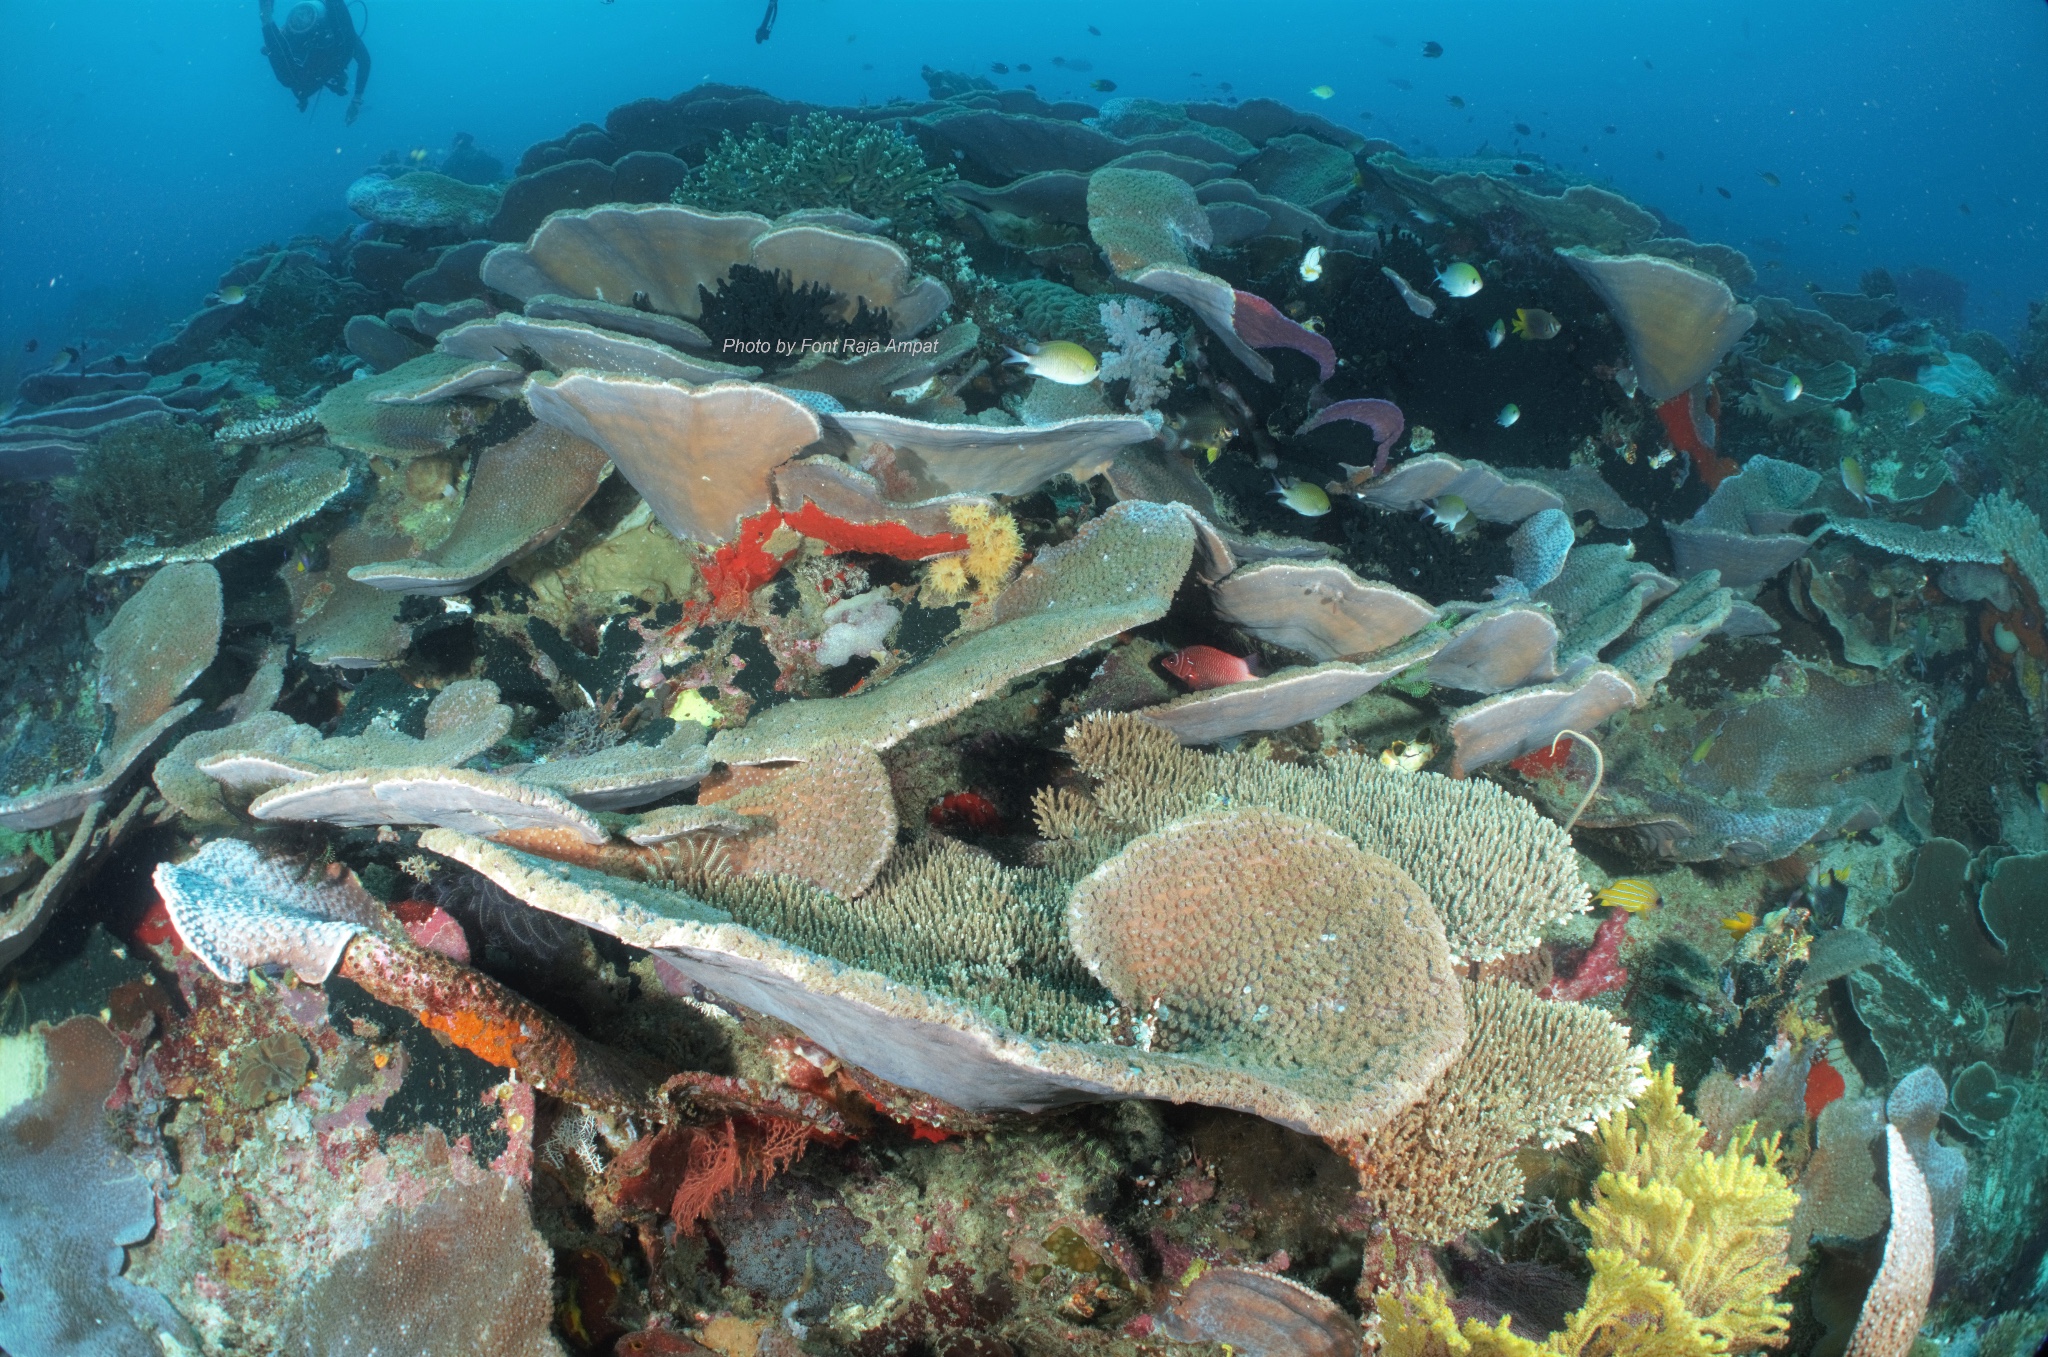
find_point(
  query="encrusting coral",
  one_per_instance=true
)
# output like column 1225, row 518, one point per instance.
column 1688, row 1252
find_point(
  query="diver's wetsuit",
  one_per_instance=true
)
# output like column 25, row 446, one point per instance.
column 317, row 59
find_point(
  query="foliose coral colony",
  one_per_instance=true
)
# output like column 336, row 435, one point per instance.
column 1204, row 832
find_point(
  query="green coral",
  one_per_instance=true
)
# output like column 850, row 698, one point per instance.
column 158, row 483
column 819, row 161
column 43, row 843
column 1689, row 1252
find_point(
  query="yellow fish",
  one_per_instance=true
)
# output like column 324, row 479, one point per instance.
column 1060, row 361
column 417, row 155
column 1739, row 923
column 1531, row 323
column 1631, row 895
column 1915, row 412
column 1310, row 501
column 692, row 706
column 1409, row 758
column 1323, row 92
column 1312, row 264
column 231, row 295
column 1853, row 480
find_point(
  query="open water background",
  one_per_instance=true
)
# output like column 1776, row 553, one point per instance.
column 144, row 145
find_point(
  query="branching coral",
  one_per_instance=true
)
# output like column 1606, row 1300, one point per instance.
column 1688, row 1253
column 1495, row 869
column 160, row 483
column 1531, row 1070
column 819, row 161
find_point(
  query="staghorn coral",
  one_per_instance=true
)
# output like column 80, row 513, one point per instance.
column 820, row 160
column 1531, row 1071
column 1688, row 1253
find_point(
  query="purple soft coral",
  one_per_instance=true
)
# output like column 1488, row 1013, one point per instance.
column 1384, row 418
column 1259, row 323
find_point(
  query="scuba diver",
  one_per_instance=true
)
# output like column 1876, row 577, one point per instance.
column 767, row 22
column 313, row 49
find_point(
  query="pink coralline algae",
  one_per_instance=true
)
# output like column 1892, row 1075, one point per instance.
column 1384, row 418
column 1601, row 969
column 1259, row 323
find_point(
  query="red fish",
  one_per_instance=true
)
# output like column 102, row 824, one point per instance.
column 1207, row 667
column 968, row 809
column 1823, row 1085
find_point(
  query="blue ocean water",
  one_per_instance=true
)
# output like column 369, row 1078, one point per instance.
column 143, row 146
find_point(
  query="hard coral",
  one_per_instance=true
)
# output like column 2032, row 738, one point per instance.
column 157, row 483
column 819, row 160
column 1688, row 1252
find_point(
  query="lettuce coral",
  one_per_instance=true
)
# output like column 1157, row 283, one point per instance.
column 1689, row 1251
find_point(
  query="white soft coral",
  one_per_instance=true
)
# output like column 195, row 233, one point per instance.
column 1139, row 347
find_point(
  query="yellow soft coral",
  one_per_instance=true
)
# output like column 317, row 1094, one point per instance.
column 994, row 546
column 1689, row 1251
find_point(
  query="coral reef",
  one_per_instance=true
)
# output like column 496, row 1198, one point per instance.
column 943, row 855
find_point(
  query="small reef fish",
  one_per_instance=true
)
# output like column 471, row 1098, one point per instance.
column 1723, row 192
column 1522, row 128
column 1661, row 458
column 1853, row 480
column 1447, row 512
column 1915, row 412
column 1419, row 304
column 1460, row 280
column 1102, row 86
column 1398, row 83
column 1308, row 500
column 1739, row 923
column 1432, row 49
column 31, row 346
column 1793, row 389
column 1768, row 177
column 66, row 356
column 1455, row 100
column 1531, row 323
column 1631, row 895
column 1312, row 264
column 965, row 810
column 1625, row 378
column 1322, row 92
column 1509, row 413
column 417, row 155
column 2041, row 795
column 998, row 68
column 231, row 295
column 1060, row 361
column 1203, row 667
column 694, row 708
column 1495, row 333
column 1409, row 757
